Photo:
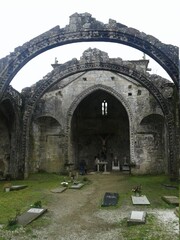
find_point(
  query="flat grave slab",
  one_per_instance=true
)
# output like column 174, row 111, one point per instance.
column 77, row 186
column 141, row 200
column 110, row 199
column 30, row 215
column 168, row 186
column 137, row 217
column 59, row 190
column 105, row 173
column 171, row 200
column 17, row 187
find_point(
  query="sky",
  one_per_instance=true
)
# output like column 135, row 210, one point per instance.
column 22, row 20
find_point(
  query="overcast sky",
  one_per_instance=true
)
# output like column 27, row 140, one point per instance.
column 22, row 20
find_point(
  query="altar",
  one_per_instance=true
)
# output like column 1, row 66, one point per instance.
column 102, row 163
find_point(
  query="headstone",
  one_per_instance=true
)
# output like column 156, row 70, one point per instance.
column 167, row 186
column 77, row 186
column 106, row 173
column 18, row 187
column 173, row 200
column 30, row 215
column 125, row 168
column 110, row 199
column 59, row 190
column 141, row 200
column 137, row 217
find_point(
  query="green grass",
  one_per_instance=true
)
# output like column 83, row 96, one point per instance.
column 37, row 190
column 152, row 187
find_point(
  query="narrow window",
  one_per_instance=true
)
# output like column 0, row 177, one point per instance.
column 104, row 108
column 139, row 92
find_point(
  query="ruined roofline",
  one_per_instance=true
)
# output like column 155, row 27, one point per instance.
column 95, row 54
column 84, row 22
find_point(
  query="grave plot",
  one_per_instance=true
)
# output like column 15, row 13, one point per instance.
column 59, row 190
column 17, row 187
column 173, row 200
column 110, row 199
column 76, row 185
column 141, row 200
column 167, row 186
column 30, row 215
column 137, row 217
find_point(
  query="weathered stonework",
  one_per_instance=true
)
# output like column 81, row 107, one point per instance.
column 83, row 27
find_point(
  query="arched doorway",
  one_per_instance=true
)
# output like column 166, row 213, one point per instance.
column 152, row 144
column 100, row 127
column 46, row 151
column 8, row 126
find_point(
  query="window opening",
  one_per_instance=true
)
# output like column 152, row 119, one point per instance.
column 104, row 108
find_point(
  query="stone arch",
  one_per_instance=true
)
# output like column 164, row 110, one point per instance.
column 75, row 66
column 83, row 95
column 46, row 115
column 84, row 28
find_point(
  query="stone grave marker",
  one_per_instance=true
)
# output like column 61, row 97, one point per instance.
column 110, row 199
column 30, row 215
column 167, row 186
column 137, row 217
column 59, row 190
column 17, row 187
column 141, row 200
column 173, row 200
column 77, row 186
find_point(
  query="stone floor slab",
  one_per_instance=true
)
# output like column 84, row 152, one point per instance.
column 110, row 199
column 137, row 217
column 77, row 186
column 18, row 187
column 30, row 215
column 141, row 200
column 59, row 190
column 173, row 200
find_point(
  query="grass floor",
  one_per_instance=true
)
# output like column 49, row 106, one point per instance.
column 37, row 190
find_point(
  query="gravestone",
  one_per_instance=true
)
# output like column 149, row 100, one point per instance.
column 110, row 199
column 125, row 168
column 142, row 200
column 167, row 186
column 59, row 190
column 30, row 215
column 18, row 187
column 77, row 186
column 137, row 217
column 173, row 200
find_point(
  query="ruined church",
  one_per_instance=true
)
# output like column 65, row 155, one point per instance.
column 92, row 107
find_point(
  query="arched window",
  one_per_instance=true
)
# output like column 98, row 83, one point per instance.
column 104, row 108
